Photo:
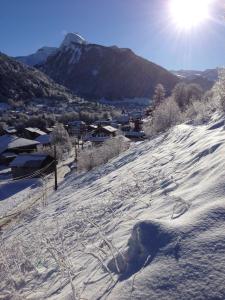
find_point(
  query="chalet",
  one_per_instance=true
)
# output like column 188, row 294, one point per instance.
column 11, row 145
column 34, row 165
column 32, row 133
column 101, row 134
column 77, row 128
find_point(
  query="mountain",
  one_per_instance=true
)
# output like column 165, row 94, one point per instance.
column 211, row 74
column 18, row 81
column 205, row 79
column 95, row 71
column 37, row 58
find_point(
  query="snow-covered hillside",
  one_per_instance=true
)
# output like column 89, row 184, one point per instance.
column 148, row 225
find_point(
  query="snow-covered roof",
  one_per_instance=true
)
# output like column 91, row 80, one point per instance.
column 44, row 139
column 36, row 130
column 93, row 126
column 9, row 142
column 28, row 160
column 71, row 38
column 109, row 128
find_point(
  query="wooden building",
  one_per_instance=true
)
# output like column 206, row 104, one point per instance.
column 101, row 134
column 34, row 165
column 11, row 145
column 77, row 128
column 32, row 133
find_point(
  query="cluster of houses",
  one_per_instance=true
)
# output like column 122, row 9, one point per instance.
column 19, row 150
column 130, row 125
column 20, row 153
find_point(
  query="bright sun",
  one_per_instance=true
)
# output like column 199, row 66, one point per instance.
column 187, row 14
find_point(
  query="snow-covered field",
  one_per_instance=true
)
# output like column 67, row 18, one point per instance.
column 148, row 225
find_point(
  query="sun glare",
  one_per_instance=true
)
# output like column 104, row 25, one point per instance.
column 187, row 14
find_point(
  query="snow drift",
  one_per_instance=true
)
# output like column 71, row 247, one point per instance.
column 148, row 225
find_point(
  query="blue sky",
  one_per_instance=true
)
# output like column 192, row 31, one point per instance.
column 142, row 25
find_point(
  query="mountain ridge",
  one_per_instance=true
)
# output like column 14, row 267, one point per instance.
column 21, row 82
column 97, row 71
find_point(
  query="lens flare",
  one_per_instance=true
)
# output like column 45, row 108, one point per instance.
column 187, row 14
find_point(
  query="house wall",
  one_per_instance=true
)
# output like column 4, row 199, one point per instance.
column 27, row 171
column 27, row 149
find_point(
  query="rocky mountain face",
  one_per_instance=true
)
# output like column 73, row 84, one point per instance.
column 18, row 81
column 37, row 58
column 95, row 71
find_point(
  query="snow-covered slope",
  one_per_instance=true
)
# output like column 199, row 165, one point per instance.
column 148, row 225
column 39, row 57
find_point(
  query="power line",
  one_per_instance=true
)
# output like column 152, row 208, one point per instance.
column 38, row 172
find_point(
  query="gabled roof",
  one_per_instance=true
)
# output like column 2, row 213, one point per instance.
column 28, row 160
column 92, row 126
column 36, row 130
column 109, row 128
column 10, row 142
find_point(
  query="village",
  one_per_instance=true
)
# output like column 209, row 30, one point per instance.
column 21, row 153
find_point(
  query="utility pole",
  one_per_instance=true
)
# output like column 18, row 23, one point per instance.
column 76, row 150
column 55, row 163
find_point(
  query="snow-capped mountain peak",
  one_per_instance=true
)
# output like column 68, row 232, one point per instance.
column 73, row 38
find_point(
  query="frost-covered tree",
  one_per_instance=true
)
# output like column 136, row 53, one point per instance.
column 180, row 94
column 165, row 115
column 219, row 88
column 184, row 94
column 60, row 138
column 159, row 94
column 93, row 157
column 194, row 92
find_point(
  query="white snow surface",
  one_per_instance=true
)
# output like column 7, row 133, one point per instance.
column 75, row 55
column 150, row 224
column 72, row 38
